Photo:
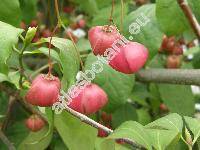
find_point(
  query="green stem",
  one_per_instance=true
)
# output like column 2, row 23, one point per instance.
column 21, row 67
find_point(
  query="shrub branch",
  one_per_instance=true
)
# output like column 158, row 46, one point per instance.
column 6, row 141
column 97, row 125
column 171, row 76
column 190, row 16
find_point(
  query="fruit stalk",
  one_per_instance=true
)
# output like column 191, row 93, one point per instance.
column 111, row 12
column 49, row 54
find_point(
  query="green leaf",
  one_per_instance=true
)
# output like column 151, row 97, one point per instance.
column 8, row 37
column 171, row 122
column 14, row 78
column 83, row 44
column 124, row 113
column 74, row 133
column 161, row 139
column 195, row 6
column 10, row 12
column 3, row 77
column 89, row 6
column 141, row 26
column 196, row 60
column 178, row 98
column 16, row 133
column 45, row 51
column 194, row 126
column 103, row 3
column 143, row 116
column 118, row 86
column 166, row 12
column 193, row 50
column 69, row 60
column 42, row 138
column 101, row 19
column 134, row 131
column 26, row 6
column 34, row 137
column 140, row 93
column 102, row 144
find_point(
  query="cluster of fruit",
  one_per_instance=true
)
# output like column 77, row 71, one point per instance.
column 45, row 89
column 174, row 51
column 129, row 59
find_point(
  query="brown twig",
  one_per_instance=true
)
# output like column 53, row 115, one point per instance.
column 15, row 94
column 6, row 141
column 8, row 113
column 29, row 108
column 190, row 16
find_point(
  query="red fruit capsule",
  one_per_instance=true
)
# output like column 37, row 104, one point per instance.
column 130, row 59
column 177, row 50
column 106, row 117
column 34, row 123
column 102, row 37
column 81, row 23
column 163, row 107
column 44, row 91
column 23, row 25
column 68, row 9
column 34, row 23
column 46, row 33
column 102, row 133
column 91, row 99
column 173, row 62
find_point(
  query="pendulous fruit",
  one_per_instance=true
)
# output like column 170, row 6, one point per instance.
column 91, row 99
column 46, row 33
column 173, row 61
column 81, row 23
column 177, row 50
column 107, row 118
column 102, row 37
column 22, row 25
column 44, row 91
column 130, row 59
column 34, row 23
column 35, row 123
column 163, row 107
column 167, row 44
